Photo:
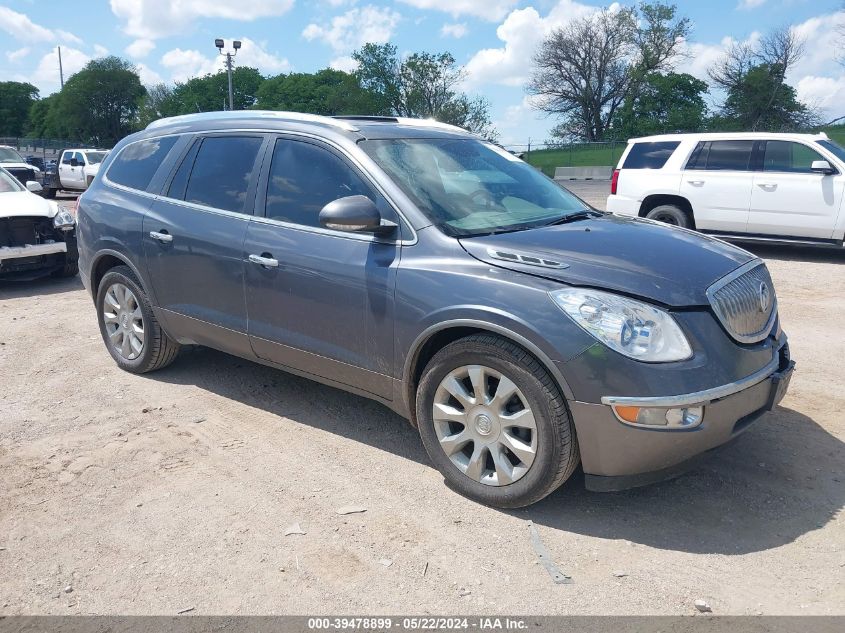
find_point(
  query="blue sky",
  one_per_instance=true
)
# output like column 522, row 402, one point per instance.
column 493, row 39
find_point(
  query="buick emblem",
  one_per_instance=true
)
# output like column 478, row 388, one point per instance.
column 765, row 297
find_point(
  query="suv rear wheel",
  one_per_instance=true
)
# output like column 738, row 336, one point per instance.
column 670, row 214
column 495, row 423
column 128, row 326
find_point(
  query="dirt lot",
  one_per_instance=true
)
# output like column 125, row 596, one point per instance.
column 153, row 494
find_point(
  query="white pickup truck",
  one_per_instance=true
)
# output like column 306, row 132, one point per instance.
column 74, row 171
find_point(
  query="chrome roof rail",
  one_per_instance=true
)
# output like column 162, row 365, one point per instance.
column 253, row 115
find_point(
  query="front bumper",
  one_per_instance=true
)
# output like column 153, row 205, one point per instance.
column 617, row 456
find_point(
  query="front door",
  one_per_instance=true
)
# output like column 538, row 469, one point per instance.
column 71, row 175
column 193, row 240
column 789, row 199
column 717, row 182
column 322, row 301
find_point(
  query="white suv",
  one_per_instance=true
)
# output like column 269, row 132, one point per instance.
column 748, row 186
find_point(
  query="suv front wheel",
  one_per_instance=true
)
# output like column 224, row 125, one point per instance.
column 494, row 422
column 129, row 328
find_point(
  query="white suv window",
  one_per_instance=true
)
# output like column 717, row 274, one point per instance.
column 649, row 155
column 722, row 156
column 786, row 156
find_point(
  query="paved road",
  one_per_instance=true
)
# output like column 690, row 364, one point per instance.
column 594, row 192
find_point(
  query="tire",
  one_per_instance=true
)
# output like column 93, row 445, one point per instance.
column 70, row 269
column 670, row 214
column 49, row 193
column 555, row 446
column 157, row 349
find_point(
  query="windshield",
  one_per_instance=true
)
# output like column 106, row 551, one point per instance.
column 8, row 155
column 834, row 149
column 8, row 183
column 95, row 157
column 469, row 187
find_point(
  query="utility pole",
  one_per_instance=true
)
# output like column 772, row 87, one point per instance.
column 61, row 73
column 229, row 65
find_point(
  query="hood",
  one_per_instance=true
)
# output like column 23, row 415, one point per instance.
column 20, row 166
column 22, row 203
column 635, row 257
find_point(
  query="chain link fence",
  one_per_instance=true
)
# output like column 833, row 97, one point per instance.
column 548, row 156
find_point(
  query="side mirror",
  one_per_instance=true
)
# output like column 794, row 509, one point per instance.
column 356, row 214
column 74, row 162
column 34, row 187
column 822, row 167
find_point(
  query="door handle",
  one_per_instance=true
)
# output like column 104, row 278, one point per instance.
column 163, row 237
column 267, row 262
column 767, row 185
column 696, row 183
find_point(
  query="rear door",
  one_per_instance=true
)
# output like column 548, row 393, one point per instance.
column 717, row 181
column 789, row 199
column 325, row 305
column 193, row 239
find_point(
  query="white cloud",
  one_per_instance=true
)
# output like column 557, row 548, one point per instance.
column 355, row 28
column 140, row 48
column 46, row 75
column 456, row 30
column 824, row 93
column 17, row 55
column 100, row 50
column 152, row 19
column 491, row 10
column 747, row 5
column 186, row 64
column 21, row 27
column 344, row 63
column 522, row 31
column 149, row 77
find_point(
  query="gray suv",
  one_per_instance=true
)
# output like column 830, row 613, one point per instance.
column 521, row 331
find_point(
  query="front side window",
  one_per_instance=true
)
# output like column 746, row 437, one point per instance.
column 786, row 156
column 470, row 187
column 304, row 178
column 136, row 165
column 222, row 171
column 722, row 156
column 67, row 158
column 649, row 155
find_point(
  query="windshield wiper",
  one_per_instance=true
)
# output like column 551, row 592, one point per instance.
column 574, row 217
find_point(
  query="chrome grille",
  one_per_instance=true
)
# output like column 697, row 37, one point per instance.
column 745, row 302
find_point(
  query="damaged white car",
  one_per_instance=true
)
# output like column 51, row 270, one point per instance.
column 37, row 237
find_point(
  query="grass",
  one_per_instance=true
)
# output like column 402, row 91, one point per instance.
column 591, row 155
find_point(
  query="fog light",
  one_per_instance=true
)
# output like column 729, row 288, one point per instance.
column 676, row 418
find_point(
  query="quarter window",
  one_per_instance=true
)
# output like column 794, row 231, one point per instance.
column 789, row 157
column 222, row 171
column 649, row 155
column 722, row 156
column 136, row 165
column 304, row 178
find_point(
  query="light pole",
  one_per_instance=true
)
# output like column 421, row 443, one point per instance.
column 229, row 64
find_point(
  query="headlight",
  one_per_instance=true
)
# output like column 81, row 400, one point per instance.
column 633, row 328
column 63, row 220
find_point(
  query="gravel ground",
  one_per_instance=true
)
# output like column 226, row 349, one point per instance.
column 124, row 494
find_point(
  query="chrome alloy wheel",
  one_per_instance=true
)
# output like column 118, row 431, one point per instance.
column 124, row 321
column 484, row 425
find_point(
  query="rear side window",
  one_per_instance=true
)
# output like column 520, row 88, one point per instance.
column 649, row 155
column 304, row 178
column 722, row 156
column 222, row 171
column 136, row 165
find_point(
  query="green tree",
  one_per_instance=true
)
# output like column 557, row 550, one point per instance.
column 584, row 71
column 327, row 92
column 16, row 99
column 423, row 85
column 158, row 103
column 211, row 92
column 663, row 103
column 100, row 103
column 44, row 120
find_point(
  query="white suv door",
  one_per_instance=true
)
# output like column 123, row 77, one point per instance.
column 789, row 199
column 717, row 181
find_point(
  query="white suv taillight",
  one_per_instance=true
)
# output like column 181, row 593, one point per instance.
column 614, row 182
